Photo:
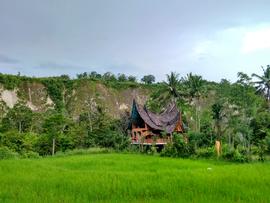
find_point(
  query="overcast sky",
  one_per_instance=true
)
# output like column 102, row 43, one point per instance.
column 215, row 39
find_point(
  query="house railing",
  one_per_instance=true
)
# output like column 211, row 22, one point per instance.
column 141, row 136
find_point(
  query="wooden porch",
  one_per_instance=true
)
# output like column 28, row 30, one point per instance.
column 146, row 136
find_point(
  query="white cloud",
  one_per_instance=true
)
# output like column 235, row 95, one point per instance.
column 256, row 40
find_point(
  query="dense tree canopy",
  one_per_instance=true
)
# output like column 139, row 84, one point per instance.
column 148, row 79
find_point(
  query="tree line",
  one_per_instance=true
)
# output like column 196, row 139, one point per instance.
column 231, row 120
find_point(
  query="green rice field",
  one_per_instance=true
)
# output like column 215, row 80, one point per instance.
column 116, row 177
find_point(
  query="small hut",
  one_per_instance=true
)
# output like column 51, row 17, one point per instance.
column 148, row 128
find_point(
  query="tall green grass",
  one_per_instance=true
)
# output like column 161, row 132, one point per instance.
column 131, row 178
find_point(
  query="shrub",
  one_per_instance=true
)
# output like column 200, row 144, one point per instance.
column 110, row 139
column 18, row 142
column 262, row 147
column 180, row 147
column 44, row 145
column 205, row 152
column 6, row 153
column 236, row 155
column 95, row 150
column 267, row 141
column 30, row 155
column 239, row 157
column 168, row 151
column 198, row 139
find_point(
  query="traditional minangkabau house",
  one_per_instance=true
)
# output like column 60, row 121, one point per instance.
column 148, row 128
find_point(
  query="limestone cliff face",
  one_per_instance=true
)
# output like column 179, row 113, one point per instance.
column 114, row 101
column 35, row 96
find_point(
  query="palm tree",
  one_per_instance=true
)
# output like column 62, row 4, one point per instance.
column 263, row 85
column 172, row 84
column 170, row 88
column 194, row 86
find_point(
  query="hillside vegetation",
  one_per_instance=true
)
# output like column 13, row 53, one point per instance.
column 42, row 116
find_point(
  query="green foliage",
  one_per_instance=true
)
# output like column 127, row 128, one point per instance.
column 10, row 82
column 267, row 142
column 18, row 142
column 193, row 85
column 56, row 126
column 206, row 152
column 18, row 118
column 131, row 78
column 263, row 85
column 6, row 153
column 44, row 145
column 79, row 151
column 261, row 126
column 108, row 76
column 122, row 78
column 235, row 155
column 230, row 112
column 30, row 155
column 55, row 88
column 262, row 147
column 148, row 79
column 180, row 147
column 122, row 85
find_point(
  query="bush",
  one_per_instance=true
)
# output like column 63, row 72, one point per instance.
column 168, row 151
column 6, row 153
column 180, row 147
column 267, row 141
column 44, row 145
column 198, row 139
column 30, row 155
column 18, row 142
column 95, row 150
column 110, row 139
column 236, row 155
column 262, row 147
column 205, row 152
column 239, row 157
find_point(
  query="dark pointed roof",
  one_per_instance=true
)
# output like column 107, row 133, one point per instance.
column 165, row 121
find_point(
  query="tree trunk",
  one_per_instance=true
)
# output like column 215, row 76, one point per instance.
column 268, row 94
column 20, row 127
column 199, row 124
column 53, row 146
column 268, row 97
column 90, row 121
column 29, row 94
column 196, row 118
column 229, row 140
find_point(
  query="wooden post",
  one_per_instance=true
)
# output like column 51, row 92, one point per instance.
column 53, row 147
column 218, row 147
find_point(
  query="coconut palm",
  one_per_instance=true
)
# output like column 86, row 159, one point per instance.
column 172, row 84
column 194, row 87
column 263, row 84
column 170, row 88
